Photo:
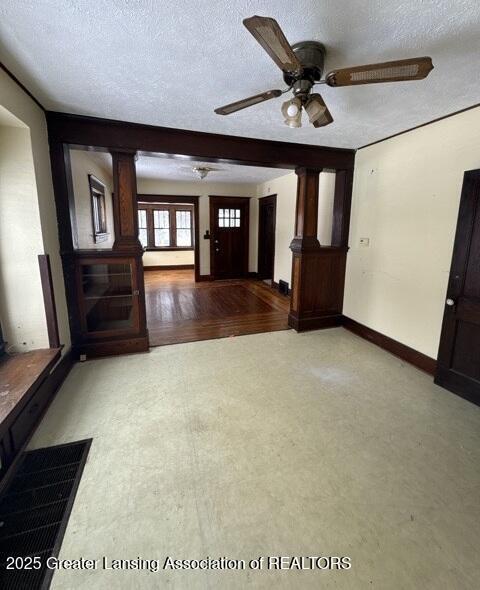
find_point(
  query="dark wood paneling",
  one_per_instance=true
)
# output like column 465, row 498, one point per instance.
column 125, row 206
column 110, row 134
column 410, row 355
column 49, row 300
column 123, row 140
column 318, row 273
column 113, row 347
column 267, row 214
column 43, row 385
column 342, row 204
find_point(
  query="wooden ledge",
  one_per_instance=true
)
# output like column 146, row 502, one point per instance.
column 20, row 376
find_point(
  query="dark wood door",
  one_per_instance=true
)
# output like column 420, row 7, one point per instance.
column 267, row 210
column 229, row 220
column 458, row 367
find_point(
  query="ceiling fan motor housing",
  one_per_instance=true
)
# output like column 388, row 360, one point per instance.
column 311, row 55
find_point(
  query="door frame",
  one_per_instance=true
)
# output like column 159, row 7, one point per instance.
column 263, row 201
column 189, row 200
column 445, row 376
column 213, row 200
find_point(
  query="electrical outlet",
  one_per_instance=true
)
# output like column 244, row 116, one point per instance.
column 364, row 242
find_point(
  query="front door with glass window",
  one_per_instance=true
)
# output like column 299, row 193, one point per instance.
column 229, row 220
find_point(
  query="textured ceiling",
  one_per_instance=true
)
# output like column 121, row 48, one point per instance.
column 171, row 63
column 157, row 168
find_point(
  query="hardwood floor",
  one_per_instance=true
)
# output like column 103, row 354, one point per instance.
column 180, row 310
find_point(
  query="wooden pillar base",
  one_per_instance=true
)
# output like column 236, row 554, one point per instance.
column 318, row 276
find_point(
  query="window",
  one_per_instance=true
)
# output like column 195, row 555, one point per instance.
column 164, row 226
column 99, row 215
column 161, row 226
column 142, row 228
column 229, row 218
column 184, row 228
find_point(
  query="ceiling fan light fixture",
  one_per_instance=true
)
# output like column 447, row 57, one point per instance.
column 201, row 171
column 317, row 111
column 292, row 111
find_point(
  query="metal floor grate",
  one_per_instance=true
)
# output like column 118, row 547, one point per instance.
column 34, row 511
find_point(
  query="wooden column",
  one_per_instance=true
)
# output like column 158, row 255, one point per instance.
column 318, row 272
column 341, row 207
column 125, row 210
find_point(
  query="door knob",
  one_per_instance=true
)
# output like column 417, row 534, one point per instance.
column 450, row 302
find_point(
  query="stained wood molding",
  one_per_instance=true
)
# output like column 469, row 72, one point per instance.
column 410, row 355
column 209, row 147
column 31, row 411
column 49, row 300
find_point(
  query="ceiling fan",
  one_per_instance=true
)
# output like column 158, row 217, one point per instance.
column 302, row 67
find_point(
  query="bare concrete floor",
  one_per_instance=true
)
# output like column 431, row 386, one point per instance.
column 266, row 445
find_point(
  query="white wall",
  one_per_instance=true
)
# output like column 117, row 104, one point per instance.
column 20, row 105
column 166, row 258
column 21, row 301
column 405, row 200
column 285, row 188
column 82, row 165
column 203, row 190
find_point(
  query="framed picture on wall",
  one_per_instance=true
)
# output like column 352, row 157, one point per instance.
column 99, row 213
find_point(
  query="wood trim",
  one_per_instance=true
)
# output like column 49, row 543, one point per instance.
column 181, row 200
column 474, row 106
column 49, row 388
column 261, row 201
column 319, row 322
column 276, row 286
column 107, row 133
column 203, row 278
column 342, row 204
column 49, row 300
column 112, row 347
column 169, row 267
column 22, row 86
column 172, row 208
column 410, row 355
column 96, row 185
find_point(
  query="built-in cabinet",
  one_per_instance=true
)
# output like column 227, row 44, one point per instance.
column 110, row 303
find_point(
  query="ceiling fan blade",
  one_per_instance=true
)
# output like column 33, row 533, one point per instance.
column 416, row 68
column 247, row 102
column 317, row 111
column 271, row 37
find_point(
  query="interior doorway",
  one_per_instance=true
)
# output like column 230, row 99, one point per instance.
column 267, row 214
column 229, row 226
column 458, row 367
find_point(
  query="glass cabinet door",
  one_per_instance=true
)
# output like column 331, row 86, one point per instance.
column 108, row 296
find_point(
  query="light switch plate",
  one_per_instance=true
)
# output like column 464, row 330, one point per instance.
column 364, row 242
